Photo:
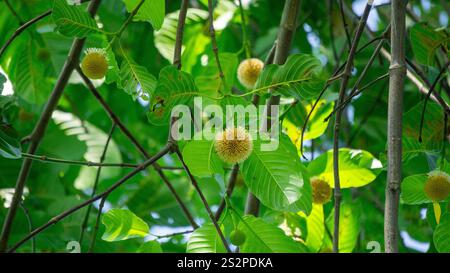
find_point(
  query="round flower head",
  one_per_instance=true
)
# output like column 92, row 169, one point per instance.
column 321, row 190
column 233, row 145
column 95, row 63
column 437, row 186
column 237, row 237
column 248, row 71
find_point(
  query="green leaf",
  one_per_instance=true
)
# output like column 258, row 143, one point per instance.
column 205, row 240
column 93, row 140
column 151, row 11
column 136, row 80
column 150, row 247
column 425, row 41
column 412, row 192
column 201, row 158
column 9, row 142
column 122, row 224
column 209, row 81
column 278, row 178
column 357, row 168
column 262, row 237
column 194, row 41
column 72, row 21
column 349, row 226
column 295, row 118
column 315, row 224
column 433, row 130
column 174, row 88
column 297, row 77
column 441, row 235
column 28, row 76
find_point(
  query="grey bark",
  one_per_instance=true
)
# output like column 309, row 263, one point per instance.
column 397, row 75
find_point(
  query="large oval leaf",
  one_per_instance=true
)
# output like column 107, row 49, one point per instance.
column 194, row 42
column 357, row 168
column 205, row 240
column 122, row 224
column 135, row 79
column 297, row 77
column 201, row 158
column 441, row 236
column 72, row 21
column 412, row 192
column 174, row 88
column 152, row 11
column 349, row 226
column 262, row 237
column 278, row 178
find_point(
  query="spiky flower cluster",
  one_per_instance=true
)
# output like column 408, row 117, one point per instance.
column 95, row 63
column 248, row 71
column 321, row 190
column 233, row 145
column 437, row 186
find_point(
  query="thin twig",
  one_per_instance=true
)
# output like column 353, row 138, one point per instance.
column 174, row 234
column 354, row 94
column 422, row 118
column 345, row 78
column 97, row 224
column 8, row 5
column 68, row 212
column 44, row 158
column 202, row 197
column 229, row 191
column 30, row 225
column 246, row 41
column 97, row 179
column 21, row 29
column 345, row 24
column 212, row 33
column 180, row 32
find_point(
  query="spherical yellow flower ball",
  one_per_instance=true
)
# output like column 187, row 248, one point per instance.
column 233, row 145
column 321, row 191
column 95, row 63
column 437, row 186
column 248, row 72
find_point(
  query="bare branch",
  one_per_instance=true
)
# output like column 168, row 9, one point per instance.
column 68, row 212
column 345, row 78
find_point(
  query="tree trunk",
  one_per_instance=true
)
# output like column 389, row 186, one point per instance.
column 397, row 75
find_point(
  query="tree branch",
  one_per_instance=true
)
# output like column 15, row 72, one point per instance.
column 136, row 143
column 97, row 179
column 21, row 29
column 68, row 212
column 44, row 158
column 202, row 197
column 229, row 191
column 40, row 128
column 286, row 35
column 344, row 82
column 180, row 32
